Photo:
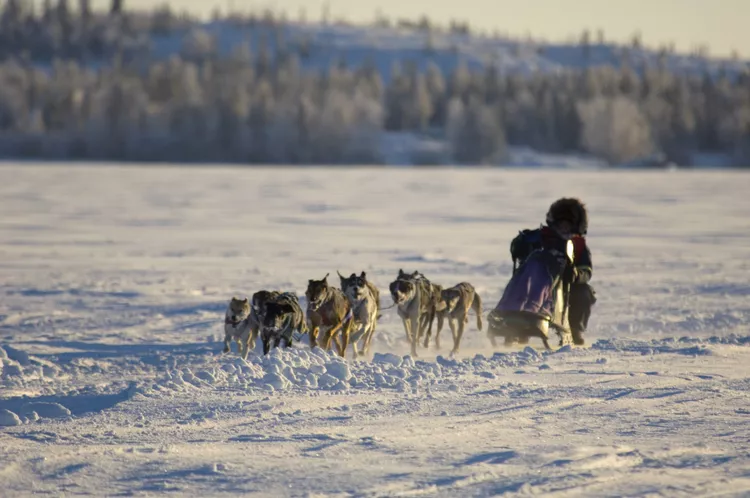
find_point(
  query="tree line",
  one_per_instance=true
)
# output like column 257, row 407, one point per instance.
column 257, row 106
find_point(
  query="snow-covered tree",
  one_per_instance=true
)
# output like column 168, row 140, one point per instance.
column 615, row 129
column 475, row 133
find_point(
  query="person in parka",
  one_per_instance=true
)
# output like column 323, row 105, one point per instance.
column 567, row 219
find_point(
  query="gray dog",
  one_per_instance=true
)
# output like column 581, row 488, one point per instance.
column 417, row 300
column 456, row 304
column 243, row 319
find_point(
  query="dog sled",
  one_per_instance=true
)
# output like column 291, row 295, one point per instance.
column 520, row 326
column 535, row 300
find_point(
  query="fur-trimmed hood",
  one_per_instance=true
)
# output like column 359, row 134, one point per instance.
column 572, row 210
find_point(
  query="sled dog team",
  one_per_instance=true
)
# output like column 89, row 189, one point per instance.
column 349, row 314
column 548, row 290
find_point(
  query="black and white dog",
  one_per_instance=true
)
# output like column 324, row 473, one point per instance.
column 283, row 317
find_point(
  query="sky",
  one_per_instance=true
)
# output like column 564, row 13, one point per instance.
column 720, row 24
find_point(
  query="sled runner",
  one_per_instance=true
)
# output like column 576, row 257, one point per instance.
column 520, row 326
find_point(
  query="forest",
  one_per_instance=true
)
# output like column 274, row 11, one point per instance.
column 77, row 84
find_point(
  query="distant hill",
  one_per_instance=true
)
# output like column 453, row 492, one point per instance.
column 323, row 45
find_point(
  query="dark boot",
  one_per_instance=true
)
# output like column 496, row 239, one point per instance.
column 582, row 298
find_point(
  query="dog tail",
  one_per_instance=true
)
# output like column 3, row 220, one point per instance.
column 476, row 305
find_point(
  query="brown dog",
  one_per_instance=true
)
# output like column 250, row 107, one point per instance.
column 328, row 307
column 457, row 302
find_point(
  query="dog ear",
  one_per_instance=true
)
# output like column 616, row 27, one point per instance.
column 363, row 275
column 326, row 277
column 340, row 275
column 246, row 300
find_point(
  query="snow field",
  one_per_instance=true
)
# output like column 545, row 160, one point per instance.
column 114, row 281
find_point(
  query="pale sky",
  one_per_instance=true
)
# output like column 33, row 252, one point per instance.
column 722, row 24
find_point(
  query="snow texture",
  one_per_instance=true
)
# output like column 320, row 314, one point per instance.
column 114, row 282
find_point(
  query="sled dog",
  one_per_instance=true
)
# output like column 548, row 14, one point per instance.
column 457, row 302
column 364, row 299
column 237, row 325
column 328, row 308
column 417, row 301
column 282, row 318
column 243, row 320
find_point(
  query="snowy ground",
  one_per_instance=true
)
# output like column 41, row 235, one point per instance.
column 114, row 282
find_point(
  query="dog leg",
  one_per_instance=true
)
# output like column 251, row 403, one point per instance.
column 227, row 342
column 312, row 333
column 368, row 338
column 461, row 325
column 243, row 349
column 453, row 324
column 440, row 323
column 253, row 338
column 325, row 338
column 361, row 338
column 356, row 351
column 407, row 330
column 330, row 335
column 427, row 332
column 339, row 346
column 242, row 341
column 345, row 332
column 414, row 325
column 420, row 328
column 429, row 327
column 335, row 342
